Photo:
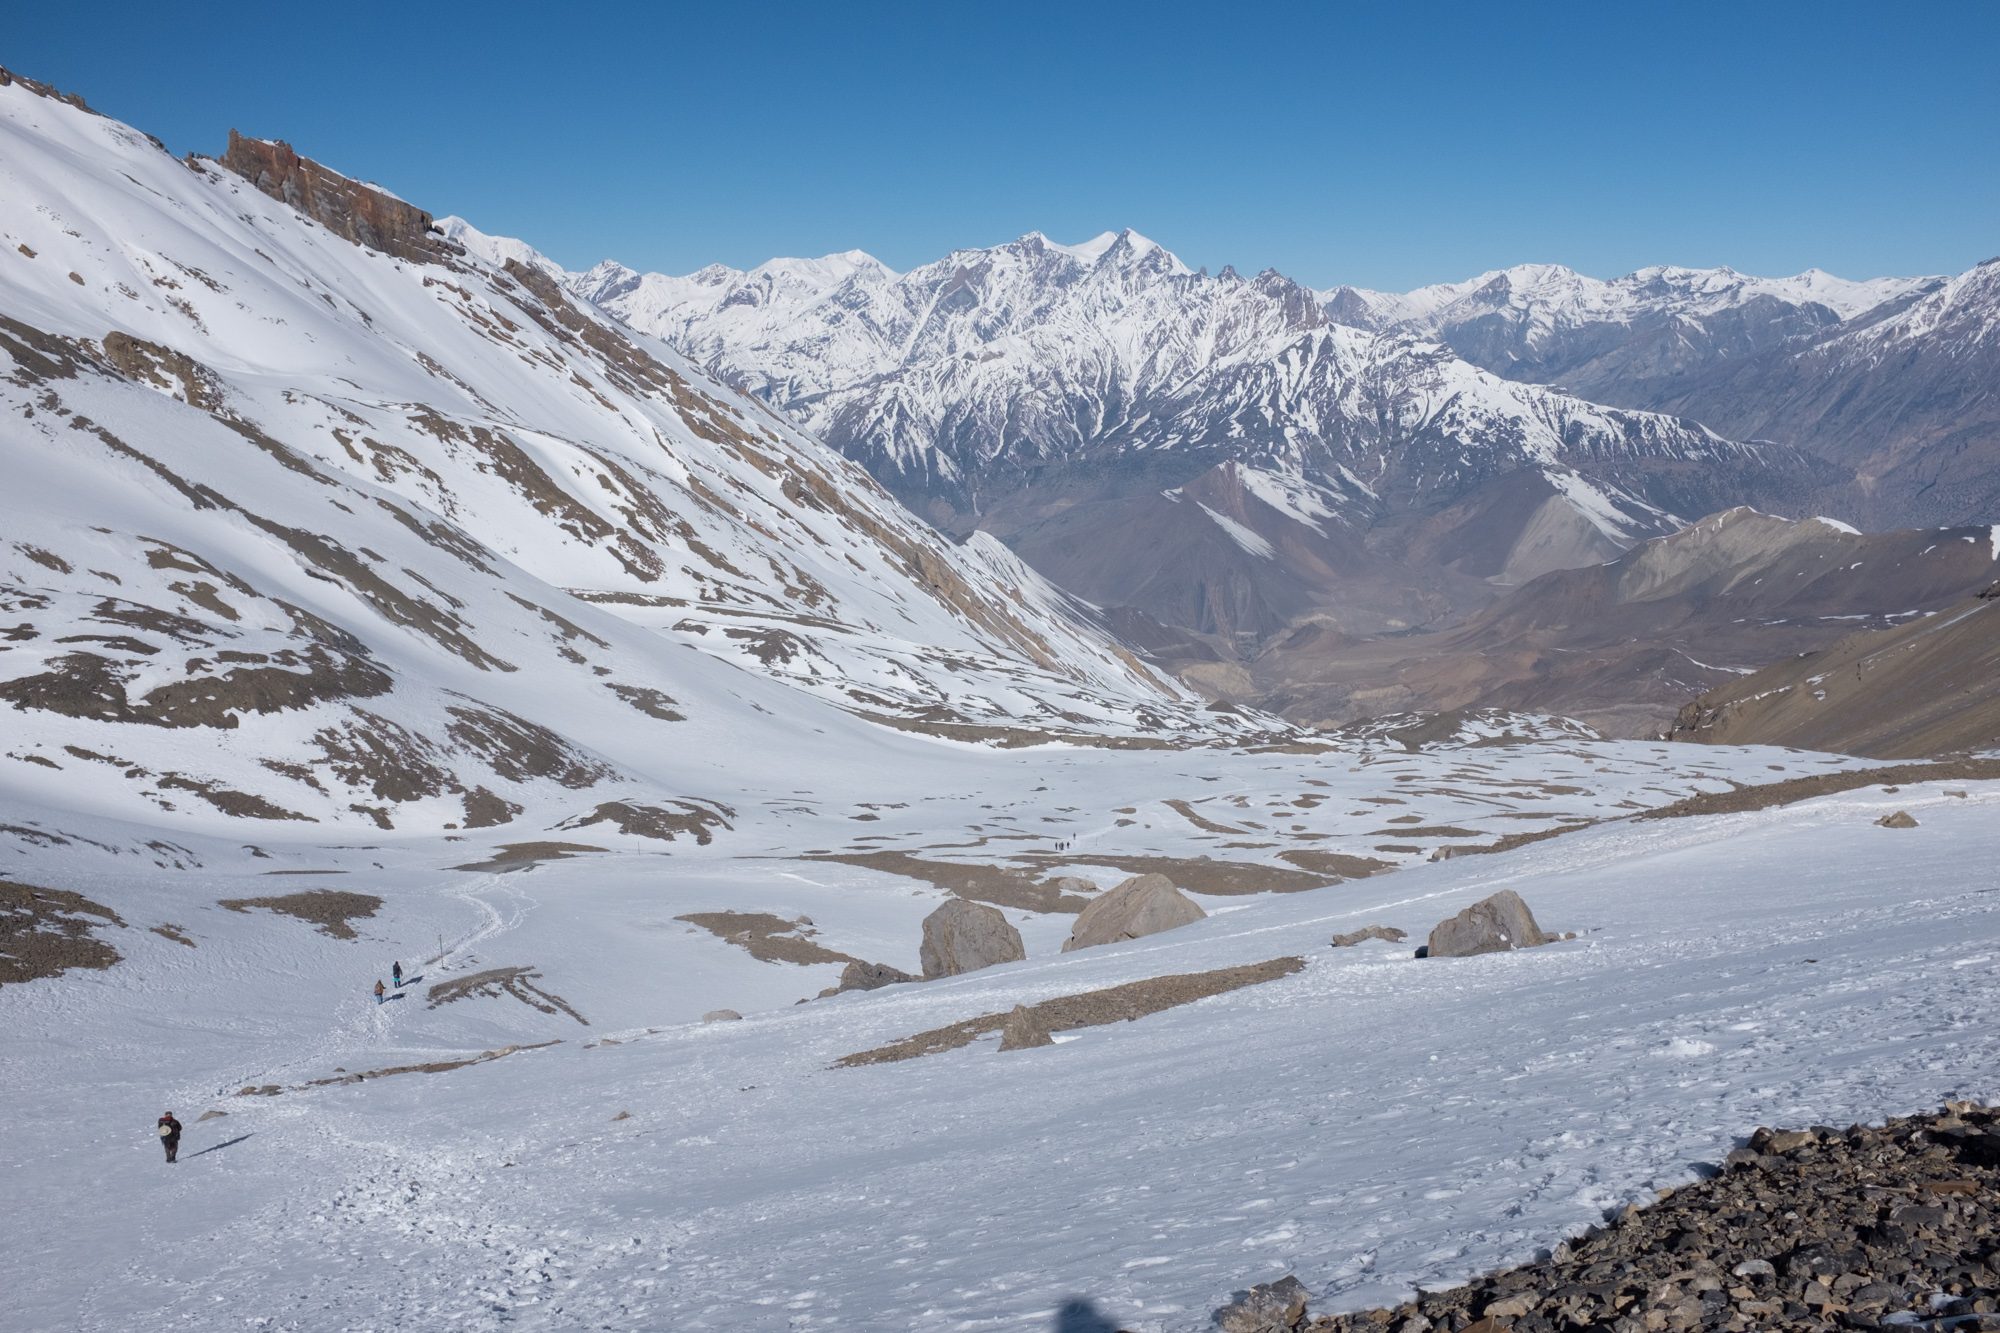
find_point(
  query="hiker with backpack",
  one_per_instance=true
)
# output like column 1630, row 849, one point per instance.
column 380, row 990
column 396, row 976
column 170, row 1134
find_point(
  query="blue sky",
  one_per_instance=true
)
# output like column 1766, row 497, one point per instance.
column 1386, row 145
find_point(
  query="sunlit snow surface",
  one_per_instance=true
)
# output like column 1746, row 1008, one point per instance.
column 1371, row 1123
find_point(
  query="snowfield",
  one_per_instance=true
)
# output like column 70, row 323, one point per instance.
column 1372, row 1123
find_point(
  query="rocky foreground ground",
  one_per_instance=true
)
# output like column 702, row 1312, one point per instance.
column 1892, row 1226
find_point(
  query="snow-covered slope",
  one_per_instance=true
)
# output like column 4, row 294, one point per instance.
column 299, row 529
column 1370, row 1123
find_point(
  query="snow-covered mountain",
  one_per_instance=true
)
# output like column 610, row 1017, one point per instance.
column 1625, row 340
column 1905, row 397
column 312, row 516
column 1052, row 393
column 1890, row 379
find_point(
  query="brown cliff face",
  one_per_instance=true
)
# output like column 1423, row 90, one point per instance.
column 346, row 207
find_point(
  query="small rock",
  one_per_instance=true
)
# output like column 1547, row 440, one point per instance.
column 1270, row 1307
column 622, row 1115
column 1024, row 1031
column 721, row 1016
column 210, row 1115
column 1511, row 1308
column 1780, row 1142
column 1755, row 1268
column 1901, row 819
column 1354, row 937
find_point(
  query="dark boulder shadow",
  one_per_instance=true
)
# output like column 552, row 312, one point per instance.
column 1078, row 1315
column 218, row 1147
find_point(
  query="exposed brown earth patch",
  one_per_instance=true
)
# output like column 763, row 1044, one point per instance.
column 1206, row 825
column 526, row 855
column 663, row 823
column 46, row 932
column 766, row 937
column 362, row 1076
column 328, row 909
column 1790, row 790
column 518, row 982
column 1336, row 863
column 1113, row 1004
column 1509, row 842
column 980, row 884
column 173, row 932
column 1199, row 874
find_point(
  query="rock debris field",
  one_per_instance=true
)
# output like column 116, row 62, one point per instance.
column 1889, row 1226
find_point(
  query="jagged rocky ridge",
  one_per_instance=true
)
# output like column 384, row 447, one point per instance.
column 313, row 516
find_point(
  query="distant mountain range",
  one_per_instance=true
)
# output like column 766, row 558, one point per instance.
column 1222, row 460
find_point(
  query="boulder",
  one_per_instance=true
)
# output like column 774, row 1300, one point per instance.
column 1901, row 819
column 1489, row 926
column 1269, row 1307
column 964, row 936
column 1025, row 1029
column 1142, row 905
column 721, row 1016
column 1354, row 937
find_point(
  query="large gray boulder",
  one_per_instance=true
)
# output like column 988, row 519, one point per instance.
column 1490, row 925
column 1142, row 905
column 963, row 936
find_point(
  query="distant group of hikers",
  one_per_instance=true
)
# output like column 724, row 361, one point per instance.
column 170, row 1128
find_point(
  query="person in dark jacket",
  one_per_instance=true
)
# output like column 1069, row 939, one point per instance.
column 170, row 1134
column 396, row 975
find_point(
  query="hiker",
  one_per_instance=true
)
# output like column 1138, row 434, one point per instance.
column 396, row 975
column 380, row 989
column 170, row 1134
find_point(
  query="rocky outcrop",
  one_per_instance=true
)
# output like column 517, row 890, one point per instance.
column 963, row 937
column 1901, row 819
column 1269, row 1307
column 860, row 975
column 361, row 213
column 1366, row 933
column 1025, row 1030
column 1819, row 1228
column 1491, row 925
column 722, row 1016
column 1142, row 905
